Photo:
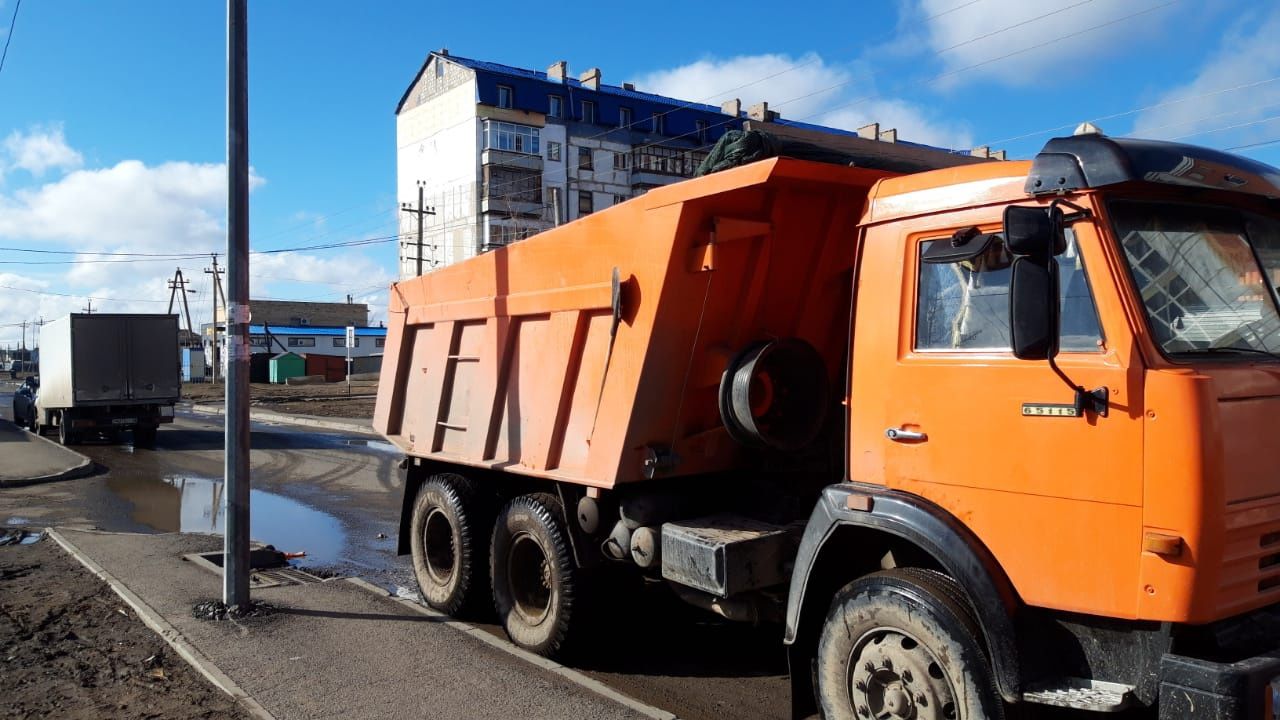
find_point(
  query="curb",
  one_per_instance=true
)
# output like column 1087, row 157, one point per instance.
column 167, row 632
column 498, row 643
column 286, row 419
column 84, row 467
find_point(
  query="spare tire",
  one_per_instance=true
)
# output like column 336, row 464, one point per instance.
column 775, row 394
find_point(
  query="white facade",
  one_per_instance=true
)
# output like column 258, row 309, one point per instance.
column 438, row 136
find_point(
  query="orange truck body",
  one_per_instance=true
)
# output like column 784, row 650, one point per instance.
column 592, row 355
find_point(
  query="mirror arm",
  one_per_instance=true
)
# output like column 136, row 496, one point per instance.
column 1081, row 213
column 1094, row 401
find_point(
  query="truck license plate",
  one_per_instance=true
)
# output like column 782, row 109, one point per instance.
column 123, row 421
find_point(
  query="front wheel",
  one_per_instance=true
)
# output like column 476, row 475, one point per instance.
column 904, row 644
column 533, row 574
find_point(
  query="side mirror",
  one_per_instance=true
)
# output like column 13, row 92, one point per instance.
column 1034, row 236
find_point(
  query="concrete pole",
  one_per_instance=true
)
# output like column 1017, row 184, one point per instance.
column 235, row 586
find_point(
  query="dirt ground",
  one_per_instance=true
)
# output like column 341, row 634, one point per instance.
column 70, row 648
column 327, row 400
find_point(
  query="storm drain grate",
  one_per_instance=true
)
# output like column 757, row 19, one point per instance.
column 264, row 572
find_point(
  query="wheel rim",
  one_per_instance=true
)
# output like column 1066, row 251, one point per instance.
column 439, row 549
column 892, row 676
column 529, row 579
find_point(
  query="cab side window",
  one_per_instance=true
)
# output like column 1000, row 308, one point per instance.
column 964, row 305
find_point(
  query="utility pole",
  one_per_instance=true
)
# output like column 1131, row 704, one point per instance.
column 24, row 340
column 421, row 212
column 179, row 285
column 216, row 272
column 89, row 308
column 235, row 577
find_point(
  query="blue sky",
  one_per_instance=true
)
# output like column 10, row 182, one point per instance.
column 112, row 113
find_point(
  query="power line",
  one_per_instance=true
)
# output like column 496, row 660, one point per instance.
column 12, row 23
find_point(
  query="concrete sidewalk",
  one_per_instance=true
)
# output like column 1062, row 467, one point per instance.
column 337, row 648
column 353, row 425
column 26, row 458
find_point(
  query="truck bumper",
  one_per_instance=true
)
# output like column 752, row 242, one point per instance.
column 1243, row 690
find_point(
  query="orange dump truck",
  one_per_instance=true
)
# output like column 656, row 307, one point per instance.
column 982, row 436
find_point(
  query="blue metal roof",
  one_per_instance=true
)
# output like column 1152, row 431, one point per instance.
column 317, row 330
column 532, row 88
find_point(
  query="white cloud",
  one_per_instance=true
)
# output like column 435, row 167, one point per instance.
column 40, row 149
column 1199, row 112
column 1042, row 36
column 174, row 207
column 814, row 91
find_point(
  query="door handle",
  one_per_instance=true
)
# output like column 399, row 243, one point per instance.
column 900, row 435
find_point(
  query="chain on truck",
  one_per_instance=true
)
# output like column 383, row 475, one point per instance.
column 978, row 437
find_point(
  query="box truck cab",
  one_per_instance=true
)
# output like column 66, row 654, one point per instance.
column 982, row 436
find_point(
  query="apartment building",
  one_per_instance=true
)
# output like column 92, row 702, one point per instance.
column 499, row 153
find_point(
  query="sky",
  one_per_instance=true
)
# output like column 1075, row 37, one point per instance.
column 112, row 112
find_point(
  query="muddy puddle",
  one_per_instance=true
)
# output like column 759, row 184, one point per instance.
column 195, row 505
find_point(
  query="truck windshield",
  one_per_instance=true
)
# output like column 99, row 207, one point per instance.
column 1207, row 276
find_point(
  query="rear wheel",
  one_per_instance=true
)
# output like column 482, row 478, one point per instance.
column 534, row 574
column 66, row 436
column 904, row 644
column 450, row 542
column 144, row 437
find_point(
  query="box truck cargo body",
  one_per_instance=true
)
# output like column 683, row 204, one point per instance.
column 108, row 373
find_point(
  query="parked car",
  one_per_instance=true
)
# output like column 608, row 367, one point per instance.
column 24, row 403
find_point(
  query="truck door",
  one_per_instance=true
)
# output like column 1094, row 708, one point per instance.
column 153, row 357
column 941, row 408
column 98, row 363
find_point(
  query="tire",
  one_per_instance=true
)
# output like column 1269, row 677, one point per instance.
column 904, row 643
column 144, row 437
column 449, row 541
column 65, row 435
column 533, row 574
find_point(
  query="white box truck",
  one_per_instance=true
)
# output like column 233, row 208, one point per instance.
column 107, row 374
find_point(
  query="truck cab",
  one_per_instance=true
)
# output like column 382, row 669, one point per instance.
column 1120, row 482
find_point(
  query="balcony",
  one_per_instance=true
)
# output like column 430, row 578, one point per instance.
column 508, row 159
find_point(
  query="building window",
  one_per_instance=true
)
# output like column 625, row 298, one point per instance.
column 553, row 150
column 502, row 235
column 505, row 94
column 512, row 184
column 586, row 204
column 341, row 342
column 666, row 161
column 555, row 106
column 257, row 341
column 379, row 342
column 588, row 112
column 619, row 199
column 657, row 123
column 702, row 131
column 620, row 161
column 624, row 117
column 584, row 158
column 512, row 137
column 302, row 342
column 439, row 67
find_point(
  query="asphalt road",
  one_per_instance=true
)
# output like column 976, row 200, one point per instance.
column 337, row 498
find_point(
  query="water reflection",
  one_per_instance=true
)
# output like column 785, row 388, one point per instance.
column 194, row 504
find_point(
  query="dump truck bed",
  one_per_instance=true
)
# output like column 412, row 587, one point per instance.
column 580, row 352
